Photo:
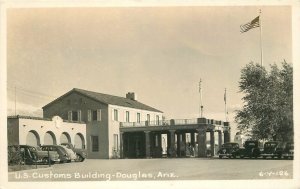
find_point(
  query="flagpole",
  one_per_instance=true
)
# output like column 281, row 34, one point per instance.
column 200, row 103
column 225, row 100
column 261, row 48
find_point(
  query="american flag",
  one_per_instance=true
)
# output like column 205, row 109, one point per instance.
column 253, row 24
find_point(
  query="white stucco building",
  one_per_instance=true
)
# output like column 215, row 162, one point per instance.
column 37, row 131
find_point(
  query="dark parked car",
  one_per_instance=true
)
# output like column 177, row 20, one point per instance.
column 228, row 149
column 272, row 149
column 250, row 150
column 63, row 155
column 288, row 151
column 80, row 153
column 26, row 154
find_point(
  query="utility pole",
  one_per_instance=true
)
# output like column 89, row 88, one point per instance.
column 15, row 100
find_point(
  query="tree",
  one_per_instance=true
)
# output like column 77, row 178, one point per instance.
column 267, row 112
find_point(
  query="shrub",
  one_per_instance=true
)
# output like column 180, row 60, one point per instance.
column 14, row 155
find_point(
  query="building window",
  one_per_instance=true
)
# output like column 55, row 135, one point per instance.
column 138, row 117
column 157, row 120
column 74, row 115
column 94, row 115
column 95, row 143
column 127, row 116
column 116, row 142
column 115, row 115
column 148, row 117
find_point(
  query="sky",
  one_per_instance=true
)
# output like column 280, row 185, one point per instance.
column 160, row 53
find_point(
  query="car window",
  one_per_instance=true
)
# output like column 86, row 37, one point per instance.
column 226, row 145
column 271, row 144
column 230, row 145
column 66, row 145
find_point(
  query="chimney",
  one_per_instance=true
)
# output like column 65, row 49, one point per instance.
column 131, row 96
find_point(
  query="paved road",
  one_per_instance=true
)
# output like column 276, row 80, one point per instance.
column 161, row 169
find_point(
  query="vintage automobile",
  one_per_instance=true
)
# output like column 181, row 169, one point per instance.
column 272, row 149
column 228, row 149
column 288, row 151
column 32, row 155
column 63, row 154
column 80, row 153
column 250, row 149
column 70, row 153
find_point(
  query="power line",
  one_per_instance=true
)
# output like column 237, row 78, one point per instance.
column 30, row 93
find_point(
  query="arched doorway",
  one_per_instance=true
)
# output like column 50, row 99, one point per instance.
column 79, row 141
column 65, row 138
column 33, row 138
column 49, row 138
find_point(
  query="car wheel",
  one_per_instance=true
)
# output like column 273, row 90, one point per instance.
column 79, row 158
column 279, row 156
column 242, row 157
column 265, row 157
column 45, row 160
column 220, row 157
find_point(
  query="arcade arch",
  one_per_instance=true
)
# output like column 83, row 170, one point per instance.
column 65, row 138
column 49, row 138
column 79, row 141
column 33, row 138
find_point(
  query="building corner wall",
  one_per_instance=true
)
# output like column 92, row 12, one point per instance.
column 13, row 132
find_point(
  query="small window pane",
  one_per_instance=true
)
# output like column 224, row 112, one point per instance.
column 127, row 116
column 116, row 115
column 75, row 116
column 138, row 117
column 94, row 115
column 95, row 143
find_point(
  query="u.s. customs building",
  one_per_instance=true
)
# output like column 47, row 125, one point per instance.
column 109, row 126
column 102, row 114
